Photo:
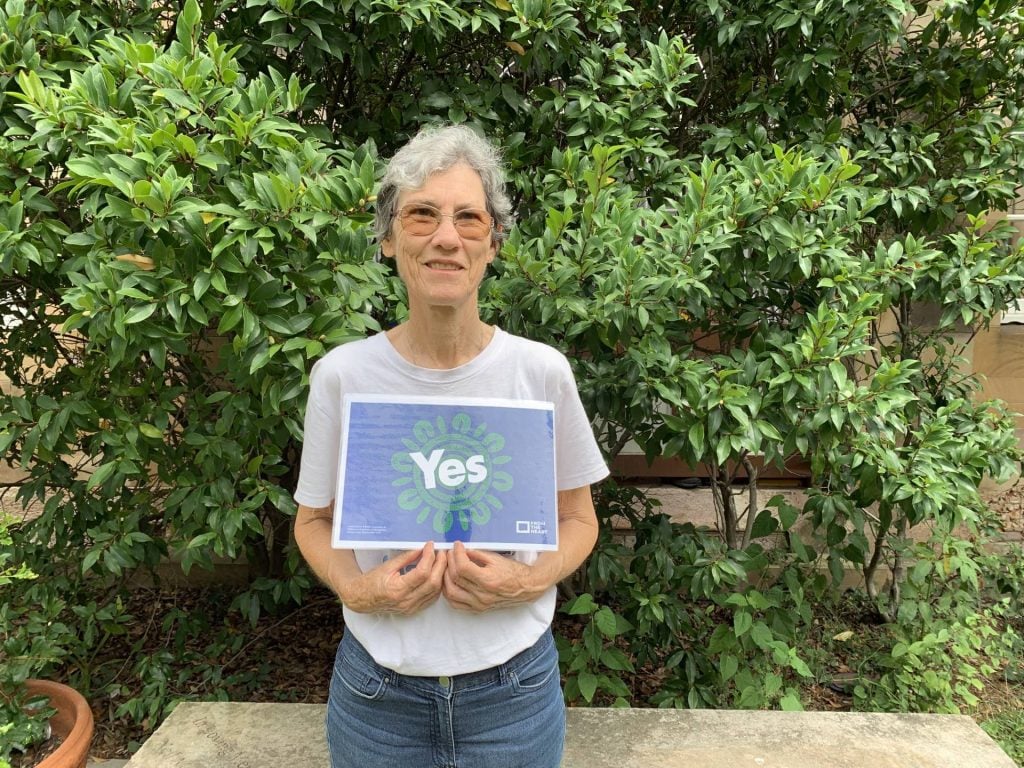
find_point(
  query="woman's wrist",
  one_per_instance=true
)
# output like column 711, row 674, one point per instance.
column 545, row 573
column 340, row 581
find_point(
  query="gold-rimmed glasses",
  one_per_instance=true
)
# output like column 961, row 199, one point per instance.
column 422, row 219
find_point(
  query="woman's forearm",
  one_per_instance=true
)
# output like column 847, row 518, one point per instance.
column 334, row 567
column 388, row 588
column 577, row 534
column 477, row 580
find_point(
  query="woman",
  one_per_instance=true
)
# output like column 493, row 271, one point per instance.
column 447, row 657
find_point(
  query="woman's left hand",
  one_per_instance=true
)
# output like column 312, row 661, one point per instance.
column 476, row 580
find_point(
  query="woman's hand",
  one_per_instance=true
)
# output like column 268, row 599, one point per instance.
column 386, row 589
column 476, row 580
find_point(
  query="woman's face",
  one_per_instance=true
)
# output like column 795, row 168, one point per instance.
column 443, row 268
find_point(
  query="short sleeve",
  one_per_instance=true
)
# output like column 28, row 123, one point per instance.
column 578, row 459
column 318, row 470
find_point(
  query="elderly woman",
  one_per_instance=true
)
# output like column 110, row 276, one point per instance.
column 447, row 657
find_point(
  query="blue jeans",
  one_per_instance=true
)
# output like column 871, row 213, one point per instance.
column 509, row 716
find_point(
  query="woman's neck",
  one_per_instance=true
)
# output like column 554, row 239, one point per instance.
column 440, row 343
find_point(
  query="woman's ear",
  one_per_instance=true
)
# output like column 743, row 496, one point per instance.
column 495, row 247
column 387, row 247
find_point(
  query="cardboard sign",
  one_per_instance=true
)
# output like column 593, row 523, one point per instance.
column 476, row 470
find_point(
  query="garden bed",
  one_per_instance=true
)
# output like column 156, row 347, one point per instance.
column 186, row 644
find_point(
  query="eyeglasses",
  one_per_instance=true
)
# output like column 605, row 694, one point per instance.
column 423, row 219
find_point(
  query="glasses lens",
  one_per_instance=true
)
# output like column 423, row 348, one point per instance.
column 473, row 224
column 470, row 223
column 420, row 219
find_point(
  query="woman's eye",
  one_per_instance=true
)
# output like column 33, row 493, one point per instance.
column 470, row 217
column 421, row 212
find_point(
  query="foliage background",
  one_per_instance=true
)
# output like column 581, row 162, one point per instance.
column 730, row 215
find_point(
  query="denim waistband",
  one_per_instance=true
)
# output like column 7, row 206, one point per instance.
column 499, row 674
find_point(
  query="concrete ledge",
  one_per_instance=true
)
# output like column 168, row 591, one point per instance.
column 237, row 735
column 736, row 739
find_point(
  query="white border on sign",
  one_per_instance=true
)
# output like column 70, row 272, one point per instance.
column 488, row 402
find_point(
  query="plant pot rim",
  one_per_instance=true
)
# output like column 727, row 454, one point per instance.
column 73, row 723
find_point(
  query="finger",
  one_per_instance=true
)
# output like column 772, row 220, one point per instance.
column 404, row 559
column 439, row 567
column 417, row 597
column 457, row 596
column 398, row 578
column 458, row 552
column 482, row 557
column 421, row 600
column 416, row 566
column 427, row 586
column 427, row 557
column 429, row 573
column 455, row 555
column 461, row 562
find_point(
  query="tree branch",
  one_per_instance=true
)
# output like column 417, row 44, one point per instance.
column 751, row 500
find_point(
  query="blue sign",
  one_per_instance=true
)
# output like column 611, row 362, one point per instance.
column 476, row 470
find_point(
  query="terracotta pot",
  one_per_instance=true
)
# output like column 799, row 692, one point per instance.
column 73, row 723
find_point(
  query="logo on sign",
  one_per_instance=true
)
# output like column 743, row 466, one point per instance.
column 449, row 471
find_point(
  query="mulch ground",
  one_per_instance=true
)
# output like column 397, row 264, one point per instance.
column 35, row 754
column 286, row 658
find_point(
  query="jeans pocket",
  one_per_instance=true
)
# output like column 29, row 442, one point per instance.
column 534, row 674
column 365, row 683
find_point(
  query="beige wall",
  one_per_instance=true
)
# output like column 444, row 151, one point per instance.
column 999, row 361
column 998, row 355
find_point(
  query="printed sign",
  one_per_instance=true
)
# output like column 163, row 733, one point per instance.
column 476, row 470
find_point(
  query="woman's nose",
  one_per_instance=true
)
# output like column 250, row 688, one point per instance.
column 447, row 236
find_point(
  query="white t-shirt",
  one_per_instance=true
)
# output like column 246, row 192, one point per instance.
column 440, row 640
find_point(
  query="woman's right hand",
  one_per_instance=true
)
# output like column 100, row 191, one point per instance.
column 386, row 589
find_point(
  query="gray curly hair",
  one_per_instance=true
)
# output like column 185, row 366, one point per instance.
column 435, row 149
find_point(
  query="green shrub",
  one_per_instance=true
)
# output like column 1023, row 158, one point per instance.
column 958, row 627
column 30, row 642
column 756, row 228
column 162, row 337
